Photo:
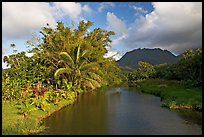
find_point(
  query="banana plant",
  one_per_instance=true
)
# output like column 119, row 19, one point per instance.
column 78, row 70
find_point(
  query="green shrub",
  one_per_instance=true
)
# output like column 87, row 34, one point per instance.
column 187, row 83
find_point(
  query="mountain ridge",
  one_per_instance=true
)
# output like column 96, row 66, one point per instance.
column 153, row 56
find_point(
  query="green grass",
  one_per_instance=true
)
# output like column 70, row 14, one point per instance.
column 173, row 95
column 14, row 123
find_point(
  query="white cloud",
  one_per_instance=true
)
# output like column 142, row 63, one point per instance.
column 116, row 24
column 105, row 5
column 119, row 27
column 29, row 54
column 113, row 54
column 117, row 40
column 72, row 9
column 19, row 19
column 86, row 9
column 138, row 10
column 171, row 26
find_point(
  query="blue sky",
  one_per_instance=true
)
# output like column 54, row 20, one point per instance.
column 171, row 26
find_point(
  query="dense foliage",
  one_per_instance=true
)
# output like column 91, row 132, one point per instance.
column 188, row 70
column 65, row 62
column 68, row 61
column 144, row 71
column 178, row 84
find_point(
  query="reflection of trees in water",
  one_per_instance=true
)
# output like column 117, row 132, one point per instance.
column 111, row 113
column 87, row 116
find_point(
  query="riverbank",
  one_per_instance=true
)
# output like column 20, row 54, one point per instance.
column 173, row 95
column 14, row 123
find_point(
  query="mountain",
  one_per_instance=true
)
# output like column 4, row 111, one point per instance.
column 153, row 56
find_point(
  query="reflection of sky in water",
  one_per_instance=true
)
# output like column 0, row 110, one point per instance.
column 118, row 111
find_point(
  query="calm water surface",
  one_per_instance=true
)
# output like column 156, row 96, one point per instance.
column 117, row 111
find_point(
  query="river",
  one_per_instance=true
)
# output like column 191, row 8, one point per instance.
column 118, row 111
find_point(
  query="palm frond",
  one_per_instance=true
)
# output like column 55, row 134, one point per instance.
column 78, row 53
column 67, row 57
column 61, row 71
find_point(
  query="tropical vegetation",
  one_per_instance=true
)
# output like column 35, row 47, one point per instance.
column 65, row 63
column 68, row 61
column 179, row 85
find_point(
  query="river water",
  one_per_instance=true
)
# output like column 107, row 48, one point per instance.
column 118, row 111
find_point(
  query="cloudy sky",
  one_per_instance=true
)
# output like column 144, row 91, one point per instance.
column 172, row 26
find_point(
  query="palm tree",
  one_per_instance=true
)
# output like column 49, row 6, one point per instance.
column 78, row 70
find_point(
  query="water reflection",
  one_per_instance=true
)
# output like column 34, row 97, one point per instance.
column 118, row 111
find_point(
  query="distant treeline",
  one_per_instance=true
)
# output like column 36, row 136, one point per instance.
column 188, row 69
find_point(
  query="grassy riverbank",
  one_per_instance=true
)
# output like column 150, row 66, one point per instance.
column 173, row 94
column 14, row 123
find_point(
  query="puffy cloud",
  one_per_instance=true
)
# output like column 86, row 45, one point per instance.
column 72, row 9
column 105, row 5
column 171, row 26
column 19, row 19
column 87, row 9
column 116, row 24
column 119, row 27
